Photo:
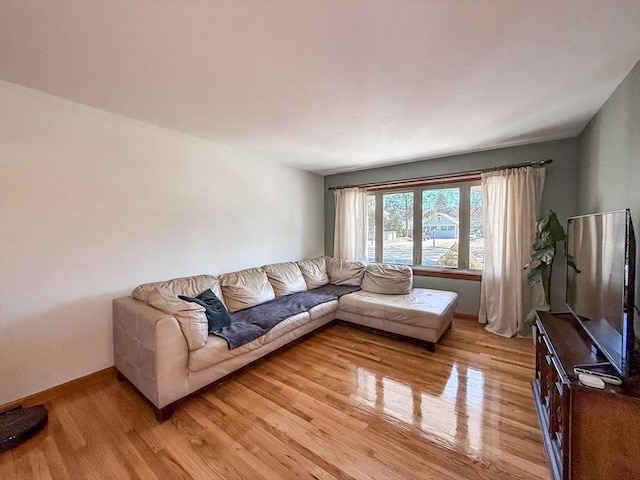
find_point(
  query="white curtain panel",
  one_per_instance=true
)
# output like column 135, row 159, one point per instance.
column 511, row 204
column 350, row 234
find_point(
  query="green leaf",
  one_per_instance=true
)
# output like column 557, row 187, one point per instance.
column 548, row 232
column 543, row 255
column 544, row 220
column 531, row 317
column 546, row 255
column 542, row 241
column 556, row 232
column 535, row 275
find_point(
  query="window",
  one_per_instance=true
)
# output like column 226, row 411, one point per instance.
column 397, row 235
column 437, row 226
column 476, row 233
column 371, row 226
column 440, row 226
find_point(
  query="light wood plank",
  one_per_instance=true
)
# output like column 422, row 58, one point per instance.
column 343, row 404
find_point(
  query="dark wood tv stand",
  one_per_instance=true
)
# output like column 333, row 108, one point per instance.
column 587, row 433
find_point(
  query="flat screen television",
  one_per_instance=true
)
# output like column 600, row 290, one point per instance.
column 601, row 254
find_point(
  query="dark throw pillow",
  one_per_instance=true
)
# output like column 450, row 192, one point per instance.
column 217, row 315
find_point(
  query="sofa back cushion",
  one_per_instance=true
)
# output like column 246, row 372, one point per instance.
column 314, row 272
column 245, row 288
column 389, row 279
column 190, row 316
column 189, row 286
column 285, row 278
column 344, row 272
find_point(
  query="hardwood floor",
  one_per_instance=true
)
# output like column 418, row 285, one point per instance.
column 344, row 404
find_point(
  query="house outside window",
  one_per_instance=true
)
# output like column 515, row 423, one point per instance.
column 433, row 227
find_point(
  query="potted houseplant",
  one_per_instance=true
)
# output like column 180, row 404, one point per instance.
column 549, row 232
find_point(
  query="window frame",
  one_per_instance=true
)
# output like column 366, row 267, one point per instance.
column 464, row 183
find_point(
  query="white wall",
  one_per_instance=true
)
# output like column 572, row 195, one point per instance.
column 92, row 204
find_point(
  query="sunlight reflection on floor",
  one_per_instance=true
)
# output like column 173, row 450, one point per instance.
column 454, row 412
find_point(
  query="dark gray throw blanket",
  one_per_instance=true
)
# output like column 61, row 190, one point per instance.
column 251, row 323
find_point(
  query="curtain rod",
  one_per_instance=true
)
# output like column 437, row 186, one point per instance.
column 448, row 175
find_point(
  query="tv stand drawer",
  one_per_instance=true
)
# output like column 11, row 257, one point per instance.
column 578, row 423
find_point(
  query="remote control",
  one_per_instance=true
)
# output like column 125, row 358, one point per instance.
column 606, row 378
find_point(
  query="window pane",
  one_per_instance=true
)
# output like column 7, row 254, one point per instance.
column 371, row 232
column 440, row 227
column 476, row 235
column 397, row 214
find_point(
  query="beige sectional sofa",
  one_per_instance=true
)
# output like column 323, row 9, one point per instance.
column 162, row 343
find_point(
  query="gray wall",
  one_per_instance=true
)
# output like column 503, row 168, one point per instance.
column 559, row 195
column 609, row 157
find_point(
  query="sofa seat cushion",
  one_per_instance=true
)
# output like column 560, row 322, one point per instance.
column 188, row 286
column 323, row 309
column 390, row 279
column 216, row 349
column 285, row 278
column 251, row 323
column 421, row 307
column 245, row 288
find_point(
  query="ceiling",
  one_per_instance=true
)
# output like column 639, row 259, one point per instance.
column 331, row 86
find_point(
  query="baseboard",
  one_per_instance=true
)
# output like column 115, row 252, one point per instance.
column 465, row 316
column 60, row 390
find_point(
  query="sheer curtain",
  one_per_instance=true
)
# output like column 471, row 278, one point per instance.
column 350, row 234
column 511, row 202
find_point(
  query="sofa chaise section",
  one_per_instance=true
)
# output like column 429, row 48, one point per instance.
column 421, row 314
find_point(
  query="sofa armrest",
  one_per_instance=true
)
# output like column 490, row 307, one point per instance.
column 150, row 350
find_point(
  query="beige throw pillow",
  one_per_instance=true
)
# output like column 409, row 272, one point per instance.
column 285, row 278
column 245, row 288
column 314, row 272
column 190, row 316
column 345, row 272
column 389, row 279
